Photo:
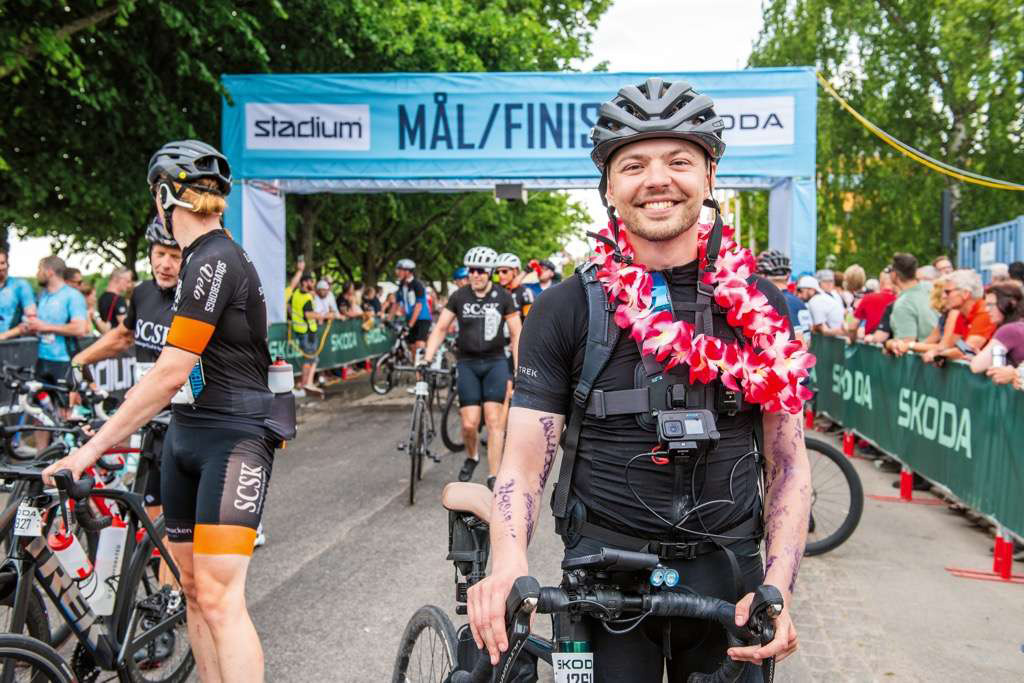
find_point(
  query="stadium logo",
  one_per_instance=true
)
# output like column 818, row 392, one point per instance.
column 336, row 127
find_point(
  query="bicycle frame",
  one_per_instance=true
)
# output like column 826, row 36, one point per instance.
column 32, row 560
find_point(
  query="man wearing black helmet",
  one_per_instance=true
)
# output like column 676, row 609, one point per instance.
column 774, row 265
column 657, row 146
column 219, row 449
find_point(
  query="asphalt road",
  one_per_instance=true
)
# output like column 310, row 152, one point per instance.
column 348, row 561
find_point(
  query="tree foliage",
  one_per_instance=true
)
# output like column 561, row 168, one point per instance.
column 944, row 76
column 89, row 89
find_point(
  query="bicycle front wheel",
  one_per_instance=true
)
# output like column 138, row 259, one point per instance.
column 451, row 424
column 428, row 652
column 415, row 449
column 837, row 497
column 31, row 661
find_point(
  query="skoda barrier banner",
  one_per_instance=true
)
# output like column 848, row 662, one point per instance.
column 346, row 343
column 490, row 125
column 950, row 425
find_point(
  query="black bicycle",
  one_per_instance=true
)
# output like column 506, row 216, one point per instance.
column 383, row 373
column 145, row 636
column 615, row 589
column 422, row 429
column 837, row 497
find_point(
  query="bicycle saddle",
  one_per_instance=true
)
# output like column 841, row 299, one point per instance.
column 475, row 499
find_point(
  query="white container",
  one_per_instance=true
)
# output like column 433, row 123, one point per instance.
column 109, row 551
column 71, row 555
column 280, row 377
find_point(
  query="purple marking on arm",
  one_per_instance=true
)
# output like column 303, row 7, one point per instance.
column 531, row 511
column 504, row 495
column 550, row 448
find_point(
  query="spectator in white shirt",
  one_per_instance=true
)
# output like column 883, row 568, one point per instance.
column 323, row 303
column 826, row 311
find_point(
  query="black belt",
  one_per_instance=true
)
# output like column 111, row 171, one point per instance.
column 749, row 529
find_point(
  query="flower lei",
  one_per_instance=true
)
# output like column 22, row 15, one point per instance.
column 769, row 370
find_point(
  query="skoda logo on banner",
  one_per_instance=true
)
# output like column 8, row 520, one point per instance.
column 326, row 127
column 757, row 121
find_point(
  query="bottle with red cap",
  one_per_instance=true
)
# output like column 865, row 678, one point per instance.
column 72, row 558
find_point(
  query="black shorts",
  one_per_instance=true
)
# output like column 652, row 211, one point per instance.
column 49, row 372
column 214, row 484
column 481, row 380
column 419, row 331
column 697, row 645
column 511, row 366
column 307, row 342
column 151, row 495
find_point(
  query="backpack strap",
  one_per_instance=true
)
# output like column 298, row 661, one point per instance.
column 602, row 336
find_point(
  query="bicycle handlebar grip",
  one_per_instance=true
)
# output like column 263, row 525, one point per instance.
column 524, row 588
column 76, row 490
column 89, row 520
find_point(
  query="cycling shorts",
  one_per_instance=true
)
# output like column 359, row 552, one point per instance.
column 481, row 380
column 511, row 366
column 214, row 484
column 419, row 331
column 697, row 645
column 49, row 372
column 152, row 493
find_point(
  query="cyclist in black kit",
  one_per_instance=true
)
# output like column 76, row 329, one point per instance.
column 145, row 326
column 657, row 146
column 219, row 450
column 482, row 310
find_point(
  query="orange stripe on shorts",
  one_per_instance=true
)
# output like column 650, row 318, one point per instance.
column 189, row 334
column 223, row 539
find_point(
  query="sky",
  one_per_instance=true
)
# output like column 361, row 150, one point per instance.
column 634, row 35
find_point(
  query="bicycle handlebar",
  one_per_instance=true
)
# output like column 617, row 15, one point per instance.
column 526, row 597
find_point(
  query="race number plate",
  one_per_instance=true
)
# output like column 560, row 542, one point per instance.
column 28, row 522
column 573, row 667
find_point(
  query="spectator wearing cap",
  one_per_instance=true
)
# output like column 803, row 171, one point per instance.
column 546, row 274
column 826, row 278
column 963, row 293
column 912, row 318
column 324, row 305
column 942, row 265
column 1005, row 351
column 826, row 311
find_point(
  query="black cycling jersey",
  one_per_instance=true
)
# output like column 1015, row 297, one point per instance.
column 481, row 319
column 221, row 315
column 551, row 351
column 149, row 318
column 523, row 298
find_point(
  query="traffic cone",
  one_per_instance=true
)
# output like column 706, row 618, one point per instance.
column 906, row 485
column 849, row 440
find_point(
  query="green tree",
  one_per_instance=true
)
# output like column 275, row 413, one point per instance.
column 944, row 76
column 88, row 89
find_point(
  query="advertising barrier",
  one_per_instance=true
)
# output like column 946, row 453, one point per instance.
column 115, row 375
column 346, row 343
column 948, row 424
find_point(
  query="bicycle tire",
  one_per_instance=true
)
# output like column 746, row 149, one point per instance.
column 415, row 448
column 451, row 425
column 382, row 374
column 854, row 508
column 142, row 572
column 435, row 628
column 47, row 665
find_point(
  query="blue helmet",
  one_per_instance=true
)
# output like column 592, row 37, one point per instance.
column 461, row 273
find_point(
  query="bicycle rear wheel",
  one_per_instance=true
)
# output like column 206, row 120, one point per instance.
column 428, row 652
column 837, row 497
column 415, row 449
column 451, row 424
column 32, row 661
column 382, row 375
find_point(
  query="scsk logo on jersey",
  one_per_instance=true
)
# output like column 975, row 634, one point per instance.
column 152, row 335
column 489, row 312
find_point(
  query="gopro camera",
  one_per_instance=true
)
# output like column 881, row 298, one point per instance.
column 687, row 430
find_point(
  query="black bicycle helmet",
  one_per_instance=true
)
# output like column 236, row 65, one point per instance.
column 657, row 109
column 188, row 161
column 156, row 233
column 773, row 263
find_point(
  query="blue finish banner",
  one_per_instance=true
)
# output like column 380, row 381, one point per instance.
column 490, row 125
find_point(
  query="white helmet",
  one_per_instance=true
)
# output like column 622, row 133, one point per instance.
column 481, row 257
column 508, row 260
column 406, row 264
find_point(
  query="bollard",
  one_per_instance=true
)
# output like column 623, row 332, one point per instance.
column 1006, row 565
column 906, row 484
column 809, row 418
column 849, row 441
column 997, row 553
column 367, row 365
column 344, row 372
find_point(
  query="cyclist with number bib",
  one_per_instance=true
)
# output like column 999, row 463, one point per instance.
column 482, row 309
column 145, row 326
column 657, row 146
column 219, row 450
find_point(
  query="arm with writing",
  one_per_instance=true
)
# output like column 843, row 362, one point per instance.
column 787, row 510
column 529, row 454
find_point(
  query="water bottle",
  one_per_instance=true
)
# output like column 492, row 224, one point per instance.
column 280, row 377
column 71, row 555
column 998, row 355
column 45, row 401
column 108, row 561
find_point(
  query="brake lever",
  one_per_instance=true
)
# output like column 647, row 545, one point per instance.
column 764, row 610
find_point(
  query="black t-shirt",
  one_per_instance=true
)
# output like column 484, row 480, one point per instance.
column 111, row 306
column 523, row 298
column 885, row 324
column 149, row 318
column 481, row 319
column 551, row 351
column 220, row 314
